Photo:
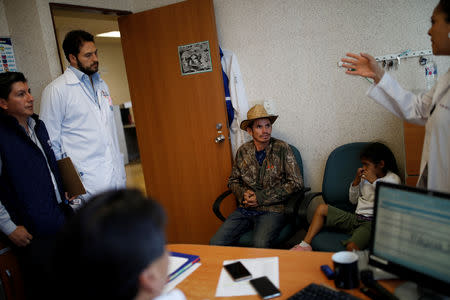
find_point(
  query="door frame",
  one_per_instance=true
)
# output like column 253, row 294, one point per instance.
column 98, row 11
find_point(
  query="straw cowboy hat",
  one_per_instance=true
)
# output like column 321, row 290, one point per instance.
column 257, row 112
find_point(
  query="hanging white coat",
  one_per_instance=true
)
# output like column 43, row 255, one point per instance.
column 238, row 97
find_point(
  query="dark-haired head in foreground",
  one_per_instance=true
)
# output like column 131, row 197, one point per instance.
column 113, row 248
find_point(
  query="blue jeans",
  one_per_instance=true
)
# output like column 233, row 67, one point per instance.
column 266, row 227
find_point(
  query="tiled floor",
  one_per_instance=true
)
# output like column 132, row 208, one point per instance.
column 135, row 177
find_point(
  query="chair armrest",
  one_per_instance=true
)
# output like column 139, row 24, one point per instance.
column 216, row 204
column 294, row 201
column 303, row 209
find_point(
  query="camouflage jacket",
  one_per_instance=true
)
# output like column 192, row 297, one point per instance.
column 277, row 178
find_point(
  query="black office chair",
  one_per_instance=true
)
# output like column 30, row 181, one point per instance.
column 340, row 171
column 293, row 203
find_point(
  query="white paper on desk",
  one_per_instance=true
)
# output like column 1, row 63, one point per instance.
column 267, row 266
column 172, row 284
column 175, row 262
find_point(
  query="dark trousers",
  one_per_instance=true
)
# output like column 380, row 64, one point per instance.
column 266, row 228
column 35, row 264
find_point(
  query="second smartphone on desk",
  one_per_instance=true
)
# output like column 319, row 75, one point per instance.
column 265, row 288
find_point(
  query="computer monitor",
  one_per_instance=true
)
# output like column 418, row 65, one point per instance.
column 411, row 235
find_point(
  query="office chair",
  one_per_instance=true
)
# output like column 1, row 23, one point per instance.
column 340, row 171
column 293, row 204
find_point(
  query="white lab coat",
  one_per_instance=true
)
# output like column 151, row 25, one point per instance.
column 238, row 97
column 417, row 109
column 85, row 131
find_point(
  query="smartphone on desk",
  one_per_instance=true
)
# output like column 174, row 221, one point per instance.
column 265, row 288
column 237, row 271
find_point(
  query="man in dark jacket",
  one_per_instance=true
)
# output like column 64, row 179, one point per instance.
column 32, row 203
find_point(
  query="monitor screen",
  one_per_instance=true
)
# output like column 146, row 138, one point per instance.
column 411, row 235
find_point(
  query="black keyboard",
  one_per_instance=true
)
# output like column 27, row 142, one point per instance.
column 314, row 291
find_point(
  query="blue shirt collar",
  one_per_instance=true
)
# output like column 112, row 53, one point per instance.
column 84, row 80
column 82, row 76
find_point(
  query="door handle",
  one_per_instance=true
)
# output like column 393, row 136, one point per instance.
column 219, row 139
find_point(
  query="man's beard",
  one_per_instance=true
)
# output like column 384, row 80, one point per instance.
column 87, row 71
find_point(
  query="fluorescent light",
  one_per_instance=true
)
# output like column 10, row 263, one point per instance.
column 114, row 34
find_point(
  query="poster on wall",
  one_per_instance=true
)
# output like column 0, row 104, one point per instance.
column 195, row 58
column 8, row 63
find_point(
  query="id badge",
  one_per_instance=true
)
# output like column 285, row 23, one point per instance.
column 108, row 98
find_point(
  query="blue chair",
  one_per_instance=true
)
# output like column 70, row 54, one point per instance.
column 340, row 171
column 293, row 204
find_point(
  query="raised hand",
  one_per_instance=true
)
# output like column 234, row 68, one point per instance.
column 358, row 175
column 364, row 65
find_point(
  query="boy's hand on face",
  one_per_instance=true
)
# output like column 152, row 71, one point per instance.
column 369, row 175
column 358, row 175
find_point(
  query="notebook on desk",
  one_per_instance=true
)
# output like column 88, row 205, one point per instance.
column 180, row 262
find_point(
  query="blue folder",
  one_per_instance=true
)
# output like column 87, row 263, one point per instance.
column 191, row 260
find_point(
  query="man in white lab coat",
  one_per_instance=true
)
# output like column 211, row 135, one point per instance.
column 78, row 111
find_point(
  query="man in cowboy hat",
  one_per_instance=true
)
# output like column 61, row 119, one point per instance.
column 264, row 174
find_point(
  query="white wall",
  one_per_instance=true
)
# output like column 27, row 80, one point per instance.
column 4, row 30
column 288, row 51
column 28, row 43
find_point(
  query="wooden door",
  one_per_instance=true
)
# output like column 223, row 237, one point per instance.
column 414, row 136
column 176, row 115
